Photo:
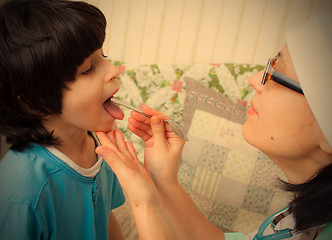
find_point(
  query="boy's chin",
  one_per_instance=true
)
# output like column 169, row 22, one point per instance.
column 110, row 127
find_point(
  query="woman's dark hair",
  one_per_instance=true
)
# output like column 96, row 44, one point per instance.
column 312, row 203
column 42, row 42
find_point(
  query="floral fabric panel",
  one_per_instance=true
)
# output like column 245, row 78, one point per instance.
column 163, row 87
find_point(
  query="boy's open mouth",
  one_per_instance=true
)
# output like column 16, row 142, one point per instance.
column 112, row 109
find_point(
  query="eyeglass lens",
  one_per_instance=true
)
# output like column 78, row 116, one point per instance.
column 269, row 69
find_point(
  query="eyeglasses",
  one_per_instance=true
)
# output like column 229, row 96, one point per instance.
column 272, row 74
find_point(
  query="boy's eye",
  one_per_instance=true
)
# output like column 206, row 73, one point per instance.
column 87, row 71
column 104, row 56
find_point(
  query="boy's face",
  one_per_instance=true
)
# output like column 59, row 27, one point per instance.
column 85, row 104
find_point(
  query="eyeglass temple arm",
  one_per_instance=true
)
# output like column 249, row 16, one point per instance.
column 287, row 82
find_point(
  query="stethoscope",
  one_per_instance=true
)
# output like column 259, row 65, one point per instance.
column 272, row 221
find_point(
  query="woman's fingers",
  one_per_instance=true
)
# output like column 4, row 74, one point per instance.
column 158, row 130
column 140, row 125
column 121, row 143
column 115, row 140
column 140, row 117
column 140, row 129
column 132, row 151
column 120, row 164
column 111, row 136
column 143, row 126
column 107, row 139
column 109, row 155
column 153, row 112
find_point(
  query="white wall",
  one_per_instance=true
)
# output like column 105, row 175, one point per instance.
column 204, row 31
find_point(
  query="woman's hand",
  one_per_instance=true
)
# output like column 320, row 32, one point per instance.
column 163, row 148
column 133, row 177
column 140, row 191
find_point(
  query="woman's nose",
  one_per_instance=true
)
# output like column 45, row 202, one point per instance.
column 255, row 80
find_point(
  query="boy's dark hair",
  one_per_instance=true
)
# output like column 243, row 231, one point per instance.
column 42, row 42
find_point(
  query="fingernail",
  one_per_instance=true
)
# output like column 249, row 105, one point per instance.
column 156, row 122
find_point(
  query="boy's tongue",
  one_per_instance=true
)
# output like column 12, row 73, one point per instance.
column 113, row 110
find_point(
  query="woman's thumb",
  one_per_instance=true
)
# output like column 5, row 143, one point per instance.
column 110, row 156
column 158, row 130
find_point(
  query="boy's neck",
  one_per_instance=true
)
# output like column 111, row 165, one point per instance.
column 80, row 151
column 76, row 144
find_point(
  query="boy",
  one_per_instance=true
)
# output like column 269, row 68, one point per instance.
column 55, row 86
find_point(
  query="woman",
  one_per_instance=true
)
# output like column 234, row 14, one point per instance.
column 289, row 121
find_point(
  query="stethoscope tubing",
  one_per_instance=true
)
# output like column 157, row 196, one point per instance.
column 277, row 235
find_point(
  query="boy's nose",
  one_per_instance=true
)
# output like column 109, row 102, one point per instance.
column 113, row 71
column 255, row 81
column 117, row 71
